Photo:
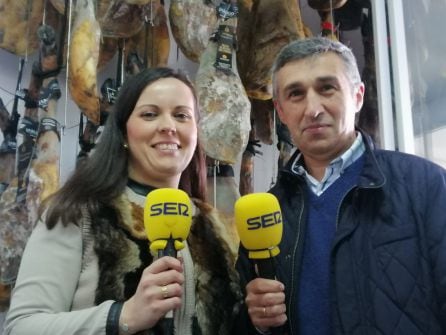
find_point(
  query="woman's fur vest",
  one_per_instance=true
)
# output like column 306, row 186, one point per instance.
column 120, row 243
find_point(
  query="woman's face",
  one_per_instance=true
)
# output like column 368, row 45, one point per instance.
column 162, row 133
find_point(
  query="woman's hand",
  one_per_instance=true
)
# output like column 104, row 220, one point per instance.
column 159, row 291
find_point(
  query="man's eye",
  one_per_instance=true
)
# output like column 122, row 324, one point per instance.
column 327, row 87
column 295, row 93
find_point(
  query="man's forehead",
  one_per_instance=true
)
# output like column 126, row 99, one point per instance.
column 319, row 59
column 321, row 69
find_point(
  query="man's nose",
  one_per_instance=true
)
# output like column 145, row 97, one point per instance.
column 313, row 106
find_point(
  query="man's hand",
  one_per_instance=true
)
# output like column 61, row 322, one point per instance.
column 265, row 299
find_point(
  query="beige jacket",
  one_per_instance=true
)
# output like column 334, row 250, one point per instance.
column 59, row 280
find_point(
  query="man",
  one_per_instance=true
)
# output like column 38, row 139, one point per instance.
column 364, row 243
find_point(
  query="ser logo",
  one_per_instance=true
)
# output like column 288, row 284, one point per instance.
column 169, row 208
column 264, row 221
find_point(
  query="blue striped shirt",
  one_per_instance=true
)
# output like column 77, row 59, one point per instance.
column 333, row 170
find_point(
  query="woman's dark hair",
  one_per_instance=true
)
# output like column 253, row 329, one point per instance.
column 102, row 177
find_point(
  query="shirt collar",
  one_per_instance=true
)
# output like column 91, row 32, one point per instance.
column 334, row 169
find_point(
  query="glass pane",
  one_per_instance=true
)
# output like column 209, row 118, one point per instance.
column 426, row 52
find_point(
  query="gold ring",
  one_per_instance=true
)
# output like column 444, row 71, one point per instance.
column 264, row 312
column 165, row 291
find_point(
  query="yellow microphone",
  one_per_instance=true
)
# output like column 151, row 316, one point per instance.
column 167, row 220
column 259, row 223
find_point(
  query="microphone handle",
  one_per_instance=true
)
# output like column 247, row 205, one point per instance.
column 265, row 268
column 169, row 250
column 166, row 324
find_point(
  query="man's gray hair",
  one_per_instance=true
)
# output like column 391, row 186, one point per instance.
column 315, row 46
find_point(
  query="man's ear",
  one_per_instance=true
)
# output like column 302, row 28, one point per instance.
column 359, row 96
column 278, row 109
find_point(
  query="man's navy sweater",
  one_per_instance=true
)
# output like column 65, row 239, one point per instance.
column 313, row 308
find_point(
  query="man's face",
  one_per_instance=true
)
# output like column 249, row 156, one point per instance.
column 317, row 103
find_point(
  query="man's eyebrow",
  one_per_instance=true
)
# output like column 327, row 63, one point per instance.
column 327, row 79
column 293, row 85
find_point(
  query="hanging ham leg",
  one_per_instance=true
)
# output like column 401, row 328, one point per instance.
column 285, row 144
column 5, row 296
column 109, row 90
column 9, row 124
column 224, row 127
column 4, row 116
column 152, row 43
column 262, row 114
column 7, row 162
column 46, row 164
column 120, row 18
column 192, row 22
column 134, row 64
column 19, row 20
column 20, row 201
column 84, row 55
column 107, row 51
column 273, row 24
column 225, row 124
column 14, row 230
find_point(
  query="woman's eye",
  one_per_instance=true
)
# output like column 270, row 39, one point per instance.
column 183, row 115
column 148, row 114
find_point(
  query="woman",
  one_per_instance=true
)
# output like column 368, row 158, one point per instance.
column 87, row 268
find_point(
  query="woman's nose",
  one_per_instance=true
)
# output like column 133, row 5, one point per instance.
column 167, row 125
column 168, row 130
